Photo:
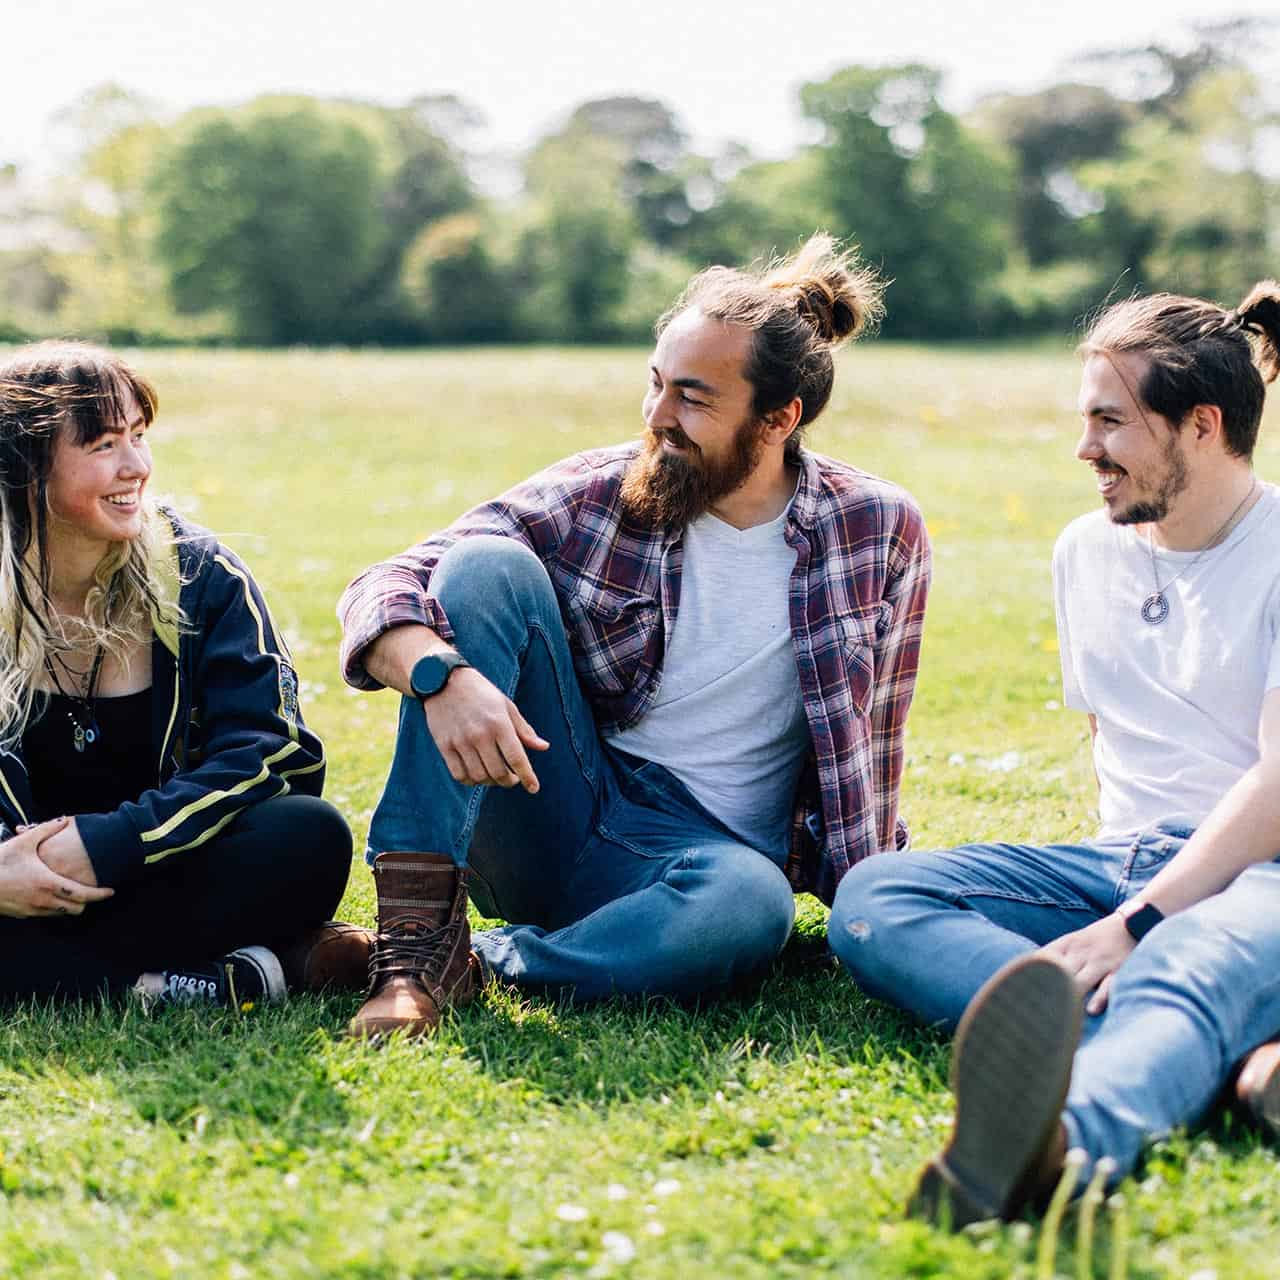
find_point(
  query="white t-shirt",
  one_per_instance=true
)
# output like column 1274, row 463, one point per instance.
column 1178, row 704
column 729, row 720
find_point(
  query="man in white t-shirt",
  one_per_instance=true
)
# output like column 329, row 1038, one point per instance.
column 655, row 689
column 1162, row 933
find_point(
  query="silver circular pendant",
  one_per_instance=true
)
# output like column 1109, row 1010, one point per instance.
column 1155, row 609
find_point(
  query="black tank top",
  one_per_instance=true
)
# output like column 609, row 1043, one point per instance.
column 119, row 766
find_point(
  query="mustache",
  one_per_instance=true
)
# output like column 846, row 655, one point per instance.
column 675, row 435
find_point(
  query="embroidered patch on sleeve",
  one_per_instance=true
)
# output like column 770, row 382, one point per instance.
column 288, row 693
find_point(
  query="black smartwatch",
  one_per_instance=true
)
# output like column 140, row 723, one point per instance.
column 1139, row 920
column 430, row 674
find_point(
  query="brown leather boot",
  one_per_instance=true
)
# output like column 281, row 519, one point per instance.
column 1258, row 1085
column 422, row 958
column 335, row 956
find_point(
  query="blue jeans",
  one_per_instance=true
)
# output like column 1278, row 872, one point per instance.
column 614, row 878
column 926, row 930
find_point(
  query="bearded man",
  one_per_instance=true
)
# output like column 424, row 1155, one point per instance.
column 707, row 642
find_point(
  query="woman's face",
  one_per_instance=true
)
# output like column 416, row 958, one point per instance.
column 95, row 489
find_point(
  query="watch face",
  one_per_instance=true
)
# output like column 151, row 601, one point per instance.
column 429, row 675
column 1141, row 921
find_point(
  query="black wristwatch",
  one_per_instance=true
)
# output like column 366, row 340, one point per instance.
column 431, row 674
column 1139, row 920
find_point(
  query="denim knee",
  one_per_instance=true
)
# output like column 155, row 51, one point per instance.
column 743, row 916
column 860, row 930
column 490, row 572
column 752, row 911
column 759, row 907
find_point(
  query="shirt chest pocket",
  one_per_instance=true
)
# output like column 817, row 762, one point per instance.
column 857, row 638
column 609, row 633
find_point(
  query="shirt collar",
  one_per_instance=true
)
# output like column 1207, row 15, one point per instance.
column 804, row 506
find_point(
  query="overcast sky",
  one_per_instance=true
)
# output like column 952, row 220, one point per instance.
column 730, row 68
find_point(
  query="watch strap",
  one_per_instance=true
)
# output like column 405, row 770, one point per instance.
column 449, row 662
column 1139, row 921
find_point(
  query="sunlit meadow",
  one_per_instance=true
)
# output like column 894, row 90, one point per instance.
column 774, row 1134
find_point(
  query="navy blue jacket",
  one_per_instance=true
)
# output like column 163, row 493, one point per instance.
column 225, row 718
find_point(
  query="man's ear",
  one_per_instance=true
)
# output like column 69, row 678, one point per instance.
column 780, row 423
column 1206, row 422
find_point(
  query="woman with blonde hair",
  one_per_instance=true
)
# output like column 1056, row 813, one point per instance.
column 158, row 788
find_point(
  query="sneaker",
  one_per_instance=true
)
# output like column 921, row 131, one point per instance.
column 1010, row 1069
column 242, row 977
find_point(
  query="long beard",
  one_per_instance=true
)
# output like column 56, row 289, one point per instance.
column 670, row 490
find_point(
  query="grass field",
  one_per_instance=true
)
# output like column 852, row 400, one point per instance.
column 768, row 1136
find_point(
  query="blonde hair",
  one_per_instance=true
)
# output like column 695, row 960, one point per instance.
column 47, row 390
column 799, row 310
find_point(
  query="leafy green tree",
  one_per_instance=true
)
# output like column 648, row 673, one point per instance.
column 649, row 154
column 292, row 216
column 30, row 287
column 113, row 286
column 426, row 182
column 1162, row 78
column 459, row 291
column 1049, row 133
column 574, row 254
column 272, row 217
column 925, row 196
column 1187, row 204
column 764, row 209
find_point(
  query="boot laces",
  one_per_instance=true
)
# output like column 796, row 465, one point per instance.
column 414, row 949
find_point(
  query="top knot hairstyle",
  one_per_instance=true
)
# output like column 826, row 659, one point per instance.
column 1199, row 353
column 798, row 309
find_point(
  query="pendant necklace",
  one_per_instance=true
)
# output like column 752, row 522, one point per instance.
column 86, row 733
column 1155, row 608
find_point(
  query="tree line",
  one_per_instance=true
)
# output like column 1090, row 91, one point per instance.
column 304, row 220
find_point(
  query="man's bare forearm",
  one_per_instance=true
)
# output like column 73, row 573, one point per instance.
column 390, row 658
column 1243, row 829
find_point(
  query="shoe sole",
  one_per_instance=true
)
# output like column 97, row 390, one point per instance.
column 1010, row 1070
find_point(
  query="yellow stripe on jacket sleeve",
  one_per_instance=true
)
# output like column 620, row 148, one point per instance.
column 213, row 797
column 173, row 717
column 258, row 614
column 252, row 606
column 248, row 598
column 210, row 833
column 306, row 768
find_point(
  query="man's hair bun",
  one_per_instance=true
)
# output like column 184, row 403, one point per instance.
column 1259, row 313
column 833, row 291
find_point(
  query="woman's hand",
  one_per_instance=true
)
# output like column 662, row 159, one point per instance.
column 1093, row 954
column 28, row 887
column 64, row 853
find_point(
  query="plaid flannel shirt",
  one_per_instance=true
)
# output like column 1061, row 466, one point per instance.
column 857, row 604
